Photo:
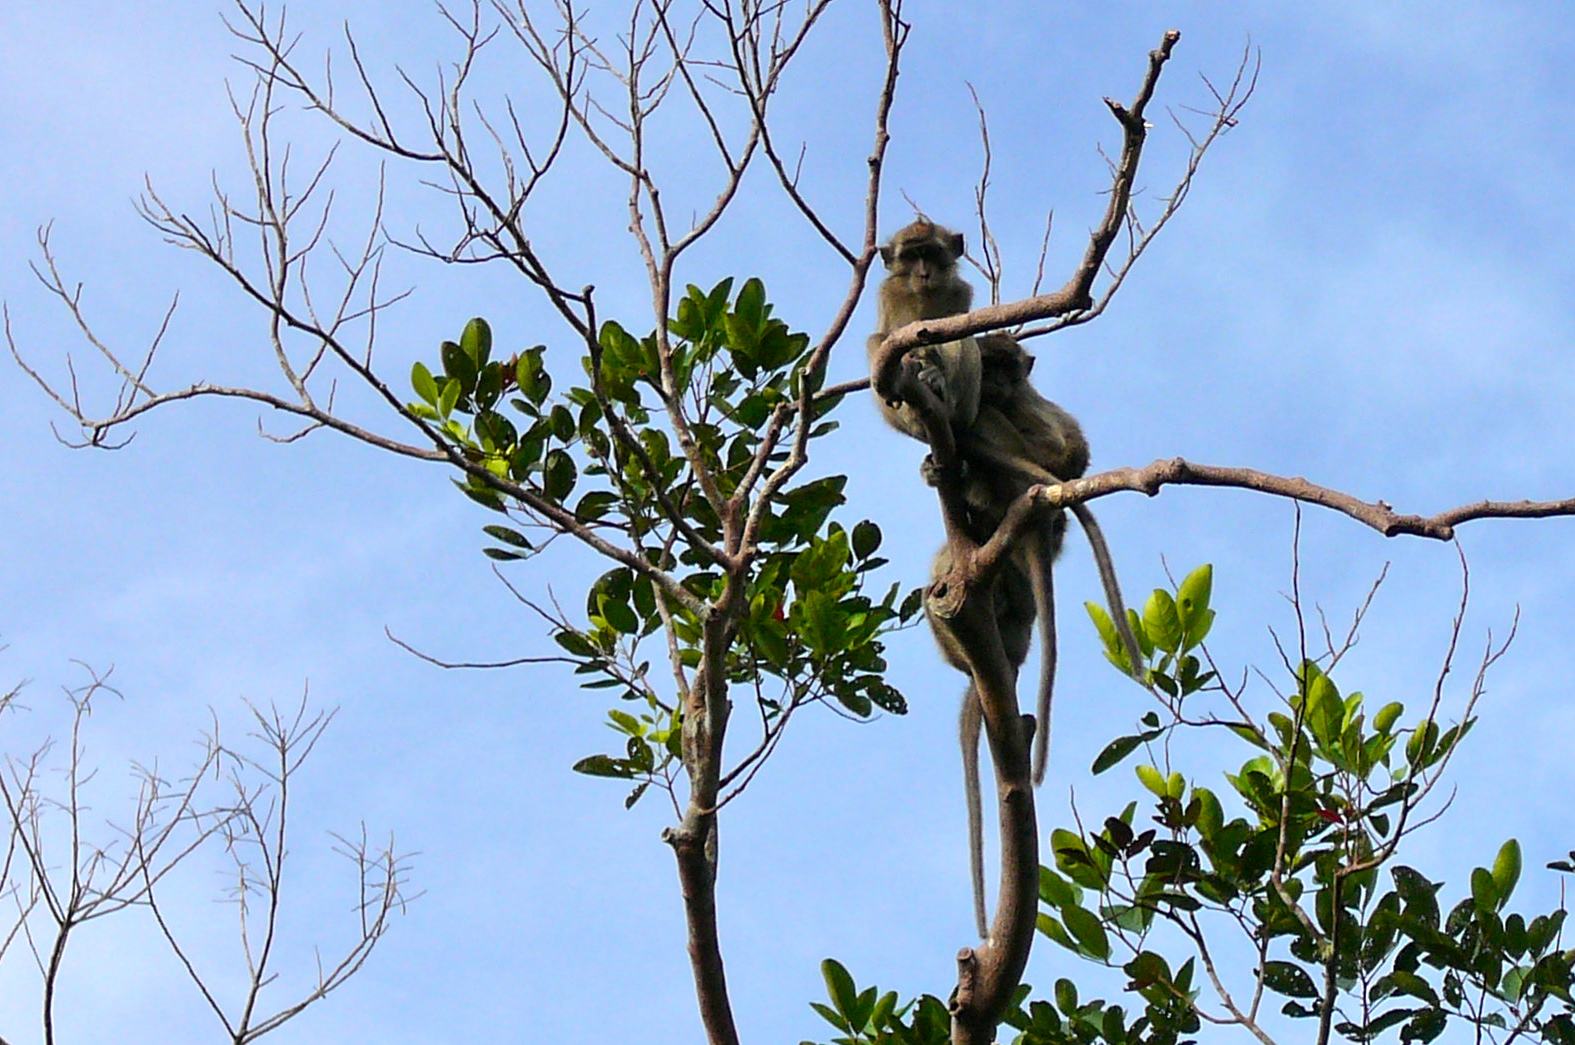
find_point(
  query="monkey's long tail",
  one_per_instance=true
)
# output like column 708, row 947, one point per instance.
column 968, row 729
column 1041, row 552
column 1107, row 578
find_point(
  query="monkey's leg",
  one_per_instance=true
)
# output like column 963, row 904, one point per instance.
column 969, row 723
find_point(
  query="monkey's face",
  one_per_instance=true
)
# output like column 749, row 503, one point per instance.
column 924, row 265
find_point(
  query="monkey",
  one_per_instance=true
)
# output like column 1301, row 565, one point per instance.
column 922, row 283
column 1010, row 437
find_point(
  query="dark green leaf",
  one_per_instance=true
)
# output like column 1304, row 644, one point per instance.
column 1412, row 985
column 601, row 765
column 866, row 538
column 595, row 505
column 1425, row 1026
column 1115, row 751
column 558, row 475
column 1289, row 980
column 1066, row 996
column 507, row 536
column 458, row 366
column 619, row 616
column 575, row 643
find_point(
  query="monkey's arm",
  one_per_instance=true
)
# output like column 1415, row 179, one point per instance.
column 950, row 373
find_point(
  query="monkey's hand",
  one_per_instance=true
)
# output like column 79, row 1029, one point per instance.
column 932, row 473
column 933, row 374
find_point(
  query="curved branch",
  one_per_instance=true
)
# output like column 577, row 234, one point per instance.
column 1077, row 293
column 1377, row 514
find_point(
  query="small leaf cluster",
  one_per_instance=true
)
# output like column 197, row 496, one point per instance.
column 1067, row 1020
column 1171, row 626
column 1325, row 799
column 1475, row 963
column 1087, row 864
column 605, row 458
column 811, row 626
column 870, row 1017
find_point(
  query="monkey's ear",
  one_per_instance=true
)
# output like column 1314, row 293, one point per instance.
column 954, row 243
column 887, row 254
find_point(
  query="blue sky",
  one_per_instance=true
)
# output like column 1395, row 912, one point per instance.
column 1369, row 286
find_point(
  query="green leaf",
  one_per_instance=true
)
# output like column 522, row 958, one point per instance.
column 857, row 703
column 751, row 304
column 595, row 505
column 448, row 397
column 1048, row 925
column 1086, row 928
column 1103, row 624
column 839, row 985
column 1066, row 996
column 531, row 377
column 1211, row 817
column 1384, row 721
column 1425, row 1026
column 618, row 615
column 1147, row 968
column 1506, row 870
column 1420, row 746
column 1192, row 603
column 1484, row 891
column 482, row 495
column 1055, row 890
column 626, row 723
column 1161, row 621
column 830, row 1015
column 1325, row 709
column 477, row 342
column 1152, row 779
column 575, row 643
column 421, row 380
